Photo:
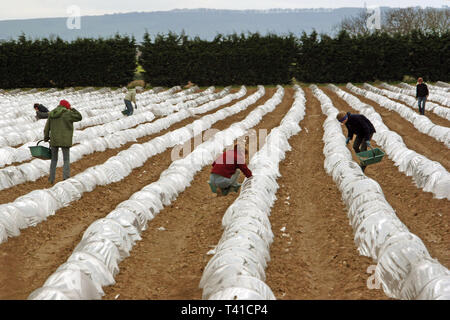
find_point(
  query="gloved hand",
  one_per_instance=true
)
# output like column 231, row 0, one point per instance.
column 47, row 139
column 347, row 140
column 368, row 143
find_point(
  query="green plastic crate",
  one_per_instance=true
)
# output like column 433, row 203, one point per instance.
column 370, row 156
column 40, row 151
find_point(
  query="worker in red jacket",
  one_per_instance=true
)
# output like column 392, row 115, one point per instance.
column 224, row 173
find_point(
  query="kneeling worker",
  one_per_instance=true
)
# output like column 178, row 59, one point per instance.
column 361, row 126
column 224, row 173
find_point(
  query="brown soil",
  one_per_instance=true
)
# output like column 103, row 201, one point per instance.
column 317, row 260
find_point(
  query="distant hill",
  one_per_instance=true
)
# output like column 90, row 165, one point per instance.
column 205, row 23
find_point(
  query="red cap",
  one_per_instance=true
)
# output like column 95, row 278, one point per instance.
column 65, row 104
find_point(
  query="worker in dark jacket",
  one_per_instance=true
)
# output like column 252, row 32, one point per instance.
column 361, row 126
column 224, row 172
column 41, row 111
column 59, row 130
column 421, row 95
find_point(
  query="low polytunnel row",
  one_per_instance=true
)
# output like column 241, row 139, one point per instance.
column 236, row 271
column 33, row 170
column 13, row 136
column 440, row 111
column 428, row 175
column 89, row 105
column 404, row 267
column 436, row 97
column 112, row 123
column 94, row 262
column 420, row 122
column 34, row 207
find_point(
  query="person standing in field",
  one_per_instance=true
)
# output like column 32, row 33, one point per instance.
column 361, row 126
column 130, row 97
column 421, row 95
column 59, row 131
column 224, row 172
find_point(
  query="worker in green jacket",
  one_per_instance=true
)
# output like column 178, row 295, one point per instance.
column 59, row 131
column 130, row 97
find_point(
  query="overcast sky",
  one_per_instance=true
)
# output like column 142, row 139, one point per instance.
column 26, row 9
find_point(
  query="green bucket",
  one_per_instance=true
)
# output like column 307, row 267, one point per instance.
column 370, row 156
column 40, row 151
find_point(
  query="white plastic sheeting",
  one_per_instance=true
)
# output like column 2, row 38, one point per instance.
column 37, row 205
column 428, row 175
column 104, row 124
column 236, row 271
column 404, row 266
column 91, row 105
column 13, row 175
column 420, row 122
column 411, row 101
column 133, row 214
column 443, row 99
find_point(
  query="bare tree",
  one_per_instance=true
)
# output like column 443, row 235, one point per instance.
column 356, row 24
column 402, row 20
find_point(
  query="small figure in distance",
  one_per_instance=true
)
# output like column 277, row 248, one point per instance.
column 361, row 126
column 131, row 97
column 41, row 111
column 421, row 95
column 189, row 85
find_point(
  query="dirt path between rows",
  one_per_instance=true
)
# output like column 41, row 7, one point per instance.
column 28, row 260
column 169, row 264
column 425, row 216
column 314, row 257
column 96, row 158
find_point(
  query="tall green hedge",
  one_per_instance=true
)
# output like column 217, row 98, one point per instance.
column 58, row 63
column 254, row 59
column 249, row 59
column 234, row 59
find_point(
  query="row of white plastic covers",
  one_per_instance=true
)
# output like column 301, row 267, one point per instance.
column 443, row 84
column 420, row 122
column 13, row 175
column 21, row 105
column 236, row 271
column 34, row 207
column 428, row 175
column 439, row 98
column 91, row 105
column 411, row 101
column 33, row 131
column 9, row 155
column 106, row 242
column 432, row 88
column 31, row 171
column 404, row 267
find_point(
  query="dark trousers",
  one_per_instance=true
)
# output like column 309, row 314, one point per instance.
column 360, row 145
column 41, row 115
column 421, row 101
column 129, row 107
column 54, row 162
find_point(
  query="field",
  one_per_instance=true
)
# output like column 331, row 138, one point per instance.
column 318, row 250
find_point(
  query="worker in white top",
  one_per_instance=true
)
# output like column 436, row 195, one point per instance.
column 130, row 97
